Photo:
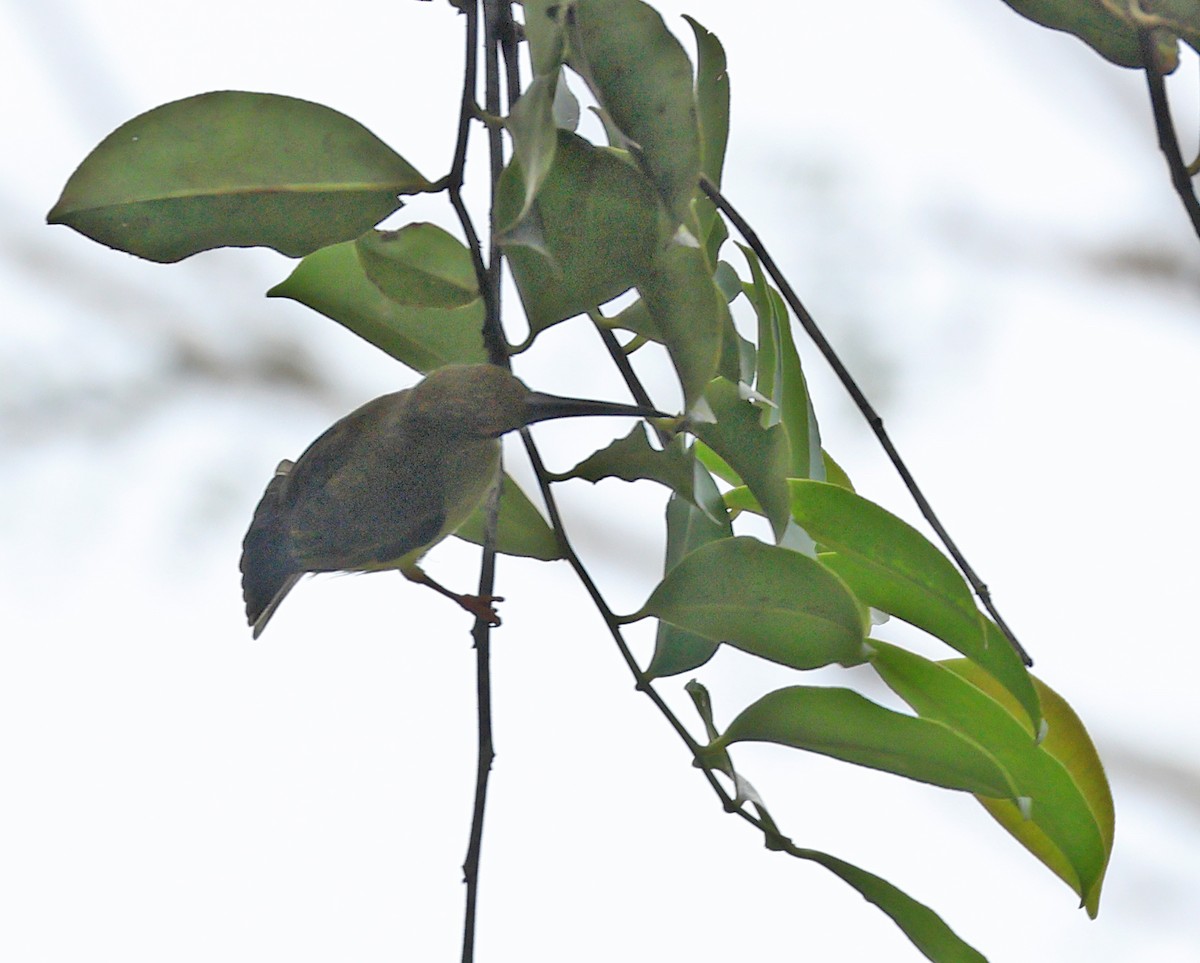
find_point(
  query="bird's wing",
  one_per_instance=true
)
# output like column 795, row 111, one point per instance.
column 365, row 494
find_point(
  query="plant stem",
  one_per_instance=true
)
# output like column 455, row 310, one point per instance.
column 1168, row 142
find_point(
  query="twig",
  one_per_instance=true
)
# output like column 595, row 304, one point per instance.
column 1168, row 142
column 864, row 406
column 492, row 333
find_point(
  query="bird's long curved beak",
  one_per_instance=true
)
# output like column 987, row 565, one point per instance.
column 543, row 407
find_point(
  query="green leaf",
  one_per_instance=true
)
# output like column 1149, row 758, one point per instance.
column 1096, row 24
column 780, row 376
column 234, row 169
column 688, row 528
column 642, row 77
column 545, row 33
column 712, row 100
column 631, row 458
column 894, row 568
column 598, row 227
column 535, row 137
column 689, row 312
column 768, row 601
column 419, row 265
column 1064, row 840
column 760, row 456
column 1064, row 824
column 520, row 530
column 845, row 725
column 928, row 931
column 333, row 282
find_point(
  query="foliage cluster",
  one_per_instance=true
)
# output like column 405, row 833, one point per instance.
column 641, row 217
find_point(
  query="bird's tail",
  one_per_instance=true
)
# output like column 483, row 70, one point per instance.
column 268, row 569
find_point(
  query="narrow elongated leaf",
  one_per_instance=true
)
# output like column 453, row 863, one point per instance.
column 234, row 169
column 333, row 282
column 520, row 528
column 845, row 725
column 689, row 312
column 927, row 931
column 769, row 601
column 712, row 99
column 535, row 137
column 642, row 77
column 894, row 568
column 688, row 527
column 597, row 227
column 1069, row 745
column 760, row 456
column 1062, row 820
column 419, row 265
column 712, row 102
column 780, row 376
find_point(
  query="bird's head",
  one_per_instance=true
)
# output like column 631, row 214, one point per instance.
column 485, row 401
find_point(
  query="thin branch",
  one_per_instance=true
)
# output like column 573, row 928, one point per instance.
column 488, row 278
column 1168, row 142
column 873, row 419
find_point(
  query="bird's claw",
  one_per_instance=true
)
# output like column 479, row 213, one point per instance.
column 482, row 607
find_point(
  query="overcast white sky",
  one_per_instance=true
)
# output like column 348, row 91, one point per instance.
column 972, row 206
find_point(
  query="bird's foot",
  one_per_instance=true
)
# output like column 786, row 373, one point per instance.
column 481, row 606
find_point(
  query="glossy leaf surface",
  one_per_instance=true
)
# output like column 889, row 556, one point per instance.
column 769, row 601
column 845, row 725
column 234, row 169
column 894, row 568
column 1073, row 852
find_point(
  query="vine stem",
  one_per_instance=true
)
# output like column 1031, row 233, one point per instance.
column 872, row 417
column 1168, row 142
column 497, row 16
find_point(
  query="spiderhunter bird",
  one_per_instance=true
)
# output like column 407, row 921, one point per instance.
column 390, row 480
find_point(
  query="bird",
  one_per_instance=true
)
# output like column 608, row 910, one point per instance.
column 390, row 480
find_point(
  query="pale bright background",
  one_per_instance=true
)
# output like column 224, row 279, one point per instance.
column 975, row 210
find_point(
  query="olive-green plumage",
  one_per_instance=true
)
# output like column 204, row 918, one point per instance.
column 392, row 479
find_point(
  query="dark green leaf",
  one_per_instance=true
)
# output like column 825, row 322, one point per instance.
column 771, row 602
column 520, row 530
column 1063, row 839
column 598, row 227
column 535, row 138
column 894, row 568
column 689, row 312
column 760, row 456
column 780, row 376
column 1096, row 24
column 928, row 931
column 419, row 265
column 845, row 725
column 631, row 458
column 332, row 281
column 234, row 169
column 688, row 527
column 641, row 76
